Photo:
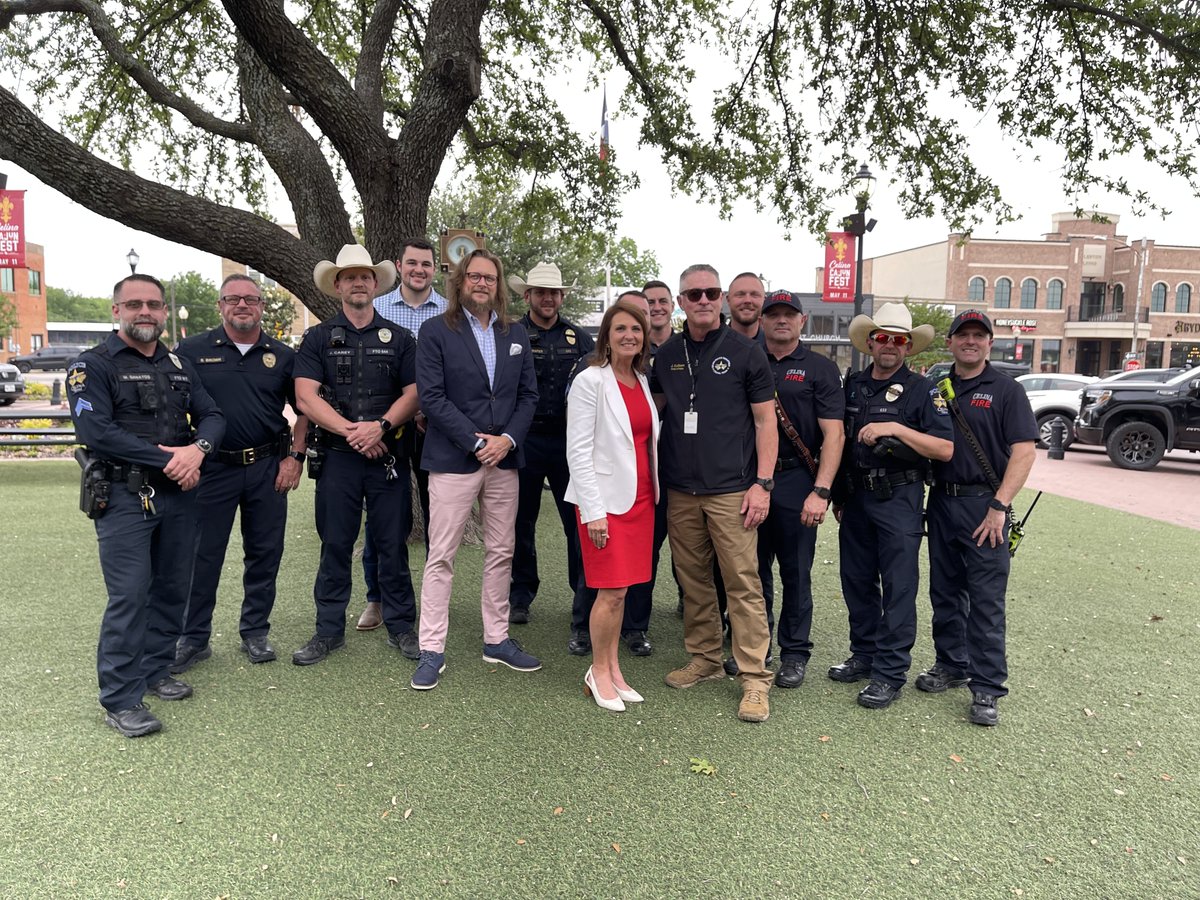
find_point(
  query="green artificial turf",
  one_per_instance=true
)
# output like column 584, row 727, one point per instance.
column 337, row 780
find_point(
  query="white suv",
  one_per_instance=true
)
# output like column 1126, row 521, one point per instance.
column 1055, row 398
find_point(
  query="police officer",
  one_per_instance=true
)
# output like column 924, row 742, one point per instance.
column 810, row 408
column 130, row 401
column 556, row 345
column 249, row 375
column 970, row 511
column 355, row 381
column 895, row 423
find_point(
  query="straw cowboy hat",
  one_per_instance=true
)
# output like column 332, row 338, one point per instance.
column 894, row 318
column 543, row 275
column 353, row 256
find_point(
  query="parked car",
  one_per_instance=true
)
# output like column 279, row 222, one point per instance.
column 1159, row 375
column 1055, row 398
column 12, row 385
column 1137, row 422
column 57, row 357
column 940, row 370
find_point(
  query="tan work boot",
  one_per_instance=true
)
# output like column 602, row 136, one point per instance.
column 698, row 670
column 754, row 706
column 371, row 618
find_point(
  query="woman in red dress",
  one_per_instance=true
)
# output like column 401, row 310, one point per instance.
column 612, row 433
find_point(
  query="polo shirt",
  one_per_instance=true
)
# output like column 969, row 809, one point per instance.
column 809, row 388
column 998, row 411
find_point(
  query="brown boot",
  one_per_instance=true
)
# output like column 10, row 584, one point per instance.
column 754, row 706
column 698, row 670
column 371, row 618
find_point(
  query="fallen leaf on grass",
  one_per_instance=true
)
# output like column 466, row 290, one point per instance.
column 392, row 879
column 385, row 814
column 914, row 862
column 1155, row 617
column 425, row 726
column 408, row 812
column 954, row 757
column 1087, row 712
column 1048, row 859
column 824, row 739
column 702, row 766
column 616, row 847
column 825, row 816
column 1166, row 777
column 558, row 810
column 1182, row 859
column 520, row 842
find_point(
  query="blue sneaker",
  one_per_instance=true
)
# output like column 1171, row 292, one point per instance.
column 428, row 669
column 509, row 653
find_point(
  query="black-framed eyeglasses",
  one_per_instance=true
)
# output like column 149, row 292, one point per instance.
column 235, row 299
column 135, row 305
column 476, row 277
column 694, row 295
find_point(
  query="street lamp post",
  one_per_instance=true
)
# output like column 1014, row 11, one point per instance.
column 133, row 259
column 858, row 225
column 183, row 317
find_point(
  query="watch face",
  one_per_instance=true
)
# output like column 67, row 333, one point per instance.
column 205, row 446
column 460, row 247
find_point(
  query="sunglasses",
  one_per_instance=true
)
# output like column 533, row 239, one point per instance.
column 884, row 338
column 694, row 295
column 235, row 299
column 135, row 305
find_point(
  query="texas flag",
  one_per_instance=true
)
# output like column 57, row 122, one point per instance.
column 604, row 127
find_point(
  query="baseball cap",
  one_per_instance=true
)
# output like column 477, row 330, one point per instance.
column 775, row 298
column 969, row 316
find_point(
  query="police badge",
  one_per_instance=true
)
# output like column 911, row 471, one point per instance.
column 385, row 335
column 269, row 360
column 893, row 392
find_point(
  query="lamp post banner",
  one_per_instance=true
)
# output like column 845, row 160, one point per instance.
column 12, row 229
column 839, row 267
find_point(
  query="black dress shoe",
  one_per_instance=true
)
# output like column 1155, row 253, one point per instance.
column 580, row 643
column 518, row 615
column 170, row 689
column 406, row 643
column 853, row 669
column 258, row 649
column 637, row 643
column 936, row 679
column 790, row 674
column 877, row 695
column 133, row 722
column 187, row 655
column 317, row 649
column 983, row 709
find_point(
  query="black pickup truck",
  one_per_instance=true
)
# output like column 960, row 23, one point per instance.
column 1139, row 421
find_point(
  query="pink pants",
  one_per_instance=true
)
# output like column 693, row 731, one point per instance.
column 450, row 500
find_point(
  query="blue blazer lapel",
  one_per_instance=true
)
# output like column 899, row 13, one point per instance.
column 503, row 342
column 467, row 336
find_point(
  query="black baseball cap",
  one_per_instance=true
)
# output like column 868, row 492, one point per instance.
column 775, row 298
column 969, row 316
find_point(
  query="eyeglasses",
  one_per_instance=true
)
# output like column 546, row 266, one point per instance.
column 235, row 299
column 885, row 338
column 694, row 295
column 135, row 305
column 476, row 277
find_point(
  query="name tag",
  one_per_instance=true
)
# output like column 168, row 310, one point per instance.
column 691, row 422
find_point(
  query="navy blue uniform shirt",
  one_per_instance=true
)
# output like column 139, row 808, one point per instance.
column 998, row 411
column 908, row 398
column 555, row 351
column 809, row 388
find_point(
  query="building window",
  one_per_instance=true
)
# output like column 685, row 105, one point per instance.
column 1154, row 354
column 976, row 290
column 6, row 281
column 35, row 343
column 1003, row 293
column 1158, row 298
column 1118, row 297
column 1183, row 298
column 1028, row 294
column 35, row 281
column 1051, row 351
column 1054, row 292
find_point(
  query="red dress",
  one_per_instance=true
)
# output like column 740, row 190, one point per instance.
column 625, row 559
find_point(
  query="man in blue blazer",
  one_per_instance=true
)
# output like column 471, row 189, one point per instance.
column 477, row 387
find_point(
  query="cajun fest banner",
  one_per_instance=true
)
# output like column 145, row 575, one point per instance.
column 12, row 229
column 839, row 267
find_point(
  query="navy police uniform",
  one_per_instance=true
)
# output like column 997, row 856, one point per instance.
column 362, row 373
column 251, row 389
column 555, row 352
column 124, row 405
column 808, row 388
column 880, row 536
column 967, row 583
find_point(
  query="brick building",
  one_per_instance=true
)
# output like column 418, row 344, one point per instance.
column 26, row 290
column 1075, row 300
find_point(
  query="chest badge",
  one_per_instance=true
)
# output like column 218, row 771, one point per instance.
column 721, row 365
column 269, row 360
column 175, row 360
column 569, row 334
column 893, row 392
column 385, row 335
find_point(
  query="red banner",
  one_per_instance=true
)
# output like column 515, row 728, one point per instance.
column 12, row 229
column 839, row 267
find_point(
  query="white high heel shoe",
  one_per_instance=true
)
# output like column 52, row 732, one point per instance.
column 629, row 696
column 589, row 688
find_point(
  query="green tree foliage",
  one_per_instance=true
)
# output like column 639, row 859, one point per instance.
column 8, row 320
column 67, row 306
column 178, row 117
column 199, row 295
column 941, row 319
column 279, row 312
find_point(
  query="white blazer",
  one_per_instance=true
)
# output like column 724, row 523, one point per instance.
column 600, row 450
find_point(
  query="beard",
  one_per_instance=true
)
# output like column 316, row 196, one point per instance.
column 244, row 326
column 143, row 332
column 474, row 308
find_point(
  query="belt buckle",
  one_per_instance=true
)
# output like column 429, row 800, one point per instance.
column 248, row 458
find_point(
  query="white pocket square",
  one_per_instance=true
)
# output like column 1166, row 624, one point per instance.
column 514, row 349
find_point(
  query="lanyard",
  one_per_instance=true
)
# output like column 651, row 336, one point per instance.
column 688, row 358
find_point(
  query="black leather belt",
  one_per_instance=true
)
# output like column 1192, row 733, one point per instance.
column 963, row 490
column 250, row 455
column 877, row 478
column 784, row 463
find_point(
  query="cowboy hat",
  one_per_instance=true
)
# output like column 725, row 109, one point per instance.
column 543, row 275
column 353, row 256
column 894, row 318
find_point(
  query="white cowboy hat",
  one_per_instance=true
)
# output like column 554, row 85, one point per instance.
column 543, row 275
column 894, row 318
column 353, row 256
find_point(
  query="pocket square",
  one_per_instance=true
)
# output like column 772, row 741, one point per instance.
column 514, row 349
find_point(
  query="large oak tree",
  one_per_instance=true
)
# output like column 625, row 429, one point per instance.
column 178, row 116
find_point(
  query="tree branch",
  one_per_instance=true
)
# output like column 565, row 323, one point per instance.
column 1161, row 38
column 368, row 77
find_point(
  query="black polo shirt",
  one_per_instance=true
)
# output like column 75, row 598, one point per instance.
column 998, row 411
column 809, row 388
column 728, row 373
column 251, row 389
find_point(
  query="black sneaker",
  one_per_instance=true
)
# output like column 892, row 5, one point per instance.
column 983, row 709
column 133, row 722
column 518, row 615
column 317, row 649
column 935, row 679
column 187, row 655
column 258, row 649
column 853, row 669
column 170, row 689
column 406, row 643
column 790, row 674
column 877, row 695
column 580, row 643
column 732, row 669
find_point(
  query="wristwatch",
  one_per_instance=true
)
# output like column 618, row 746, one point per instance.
column 387, row 426
column 767, row 484
column 821, row 492
column 298, row 456
column 204, row 444
column 997, row 505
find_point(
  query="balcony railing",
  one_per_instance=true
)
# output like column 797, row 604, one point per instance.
column 1104, row 313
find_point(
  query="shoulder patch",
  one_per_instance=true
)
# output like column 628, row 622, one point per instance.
column 939, row 403
column 77, row 377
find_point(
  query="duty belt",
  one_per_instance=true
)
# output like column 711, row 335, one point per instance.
column 963, row 490
column 875, row 479
column 135, row 475
column 250, row 455
column 784, row 463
